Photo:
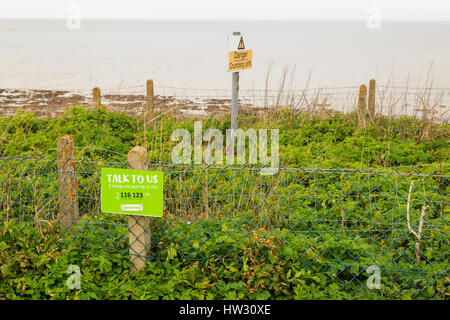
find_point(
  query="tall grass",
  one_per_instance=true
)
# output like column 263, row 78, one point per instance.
column 424, row 103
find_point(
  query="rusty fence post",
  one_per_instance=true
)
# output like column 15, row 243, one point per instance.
column 362, row 106
column 138, row 226
column 67, row 184
column 371, row 103
column 96, row 97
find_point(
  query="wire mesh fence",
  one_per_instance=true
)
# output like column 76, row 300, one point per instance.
column 340, row 221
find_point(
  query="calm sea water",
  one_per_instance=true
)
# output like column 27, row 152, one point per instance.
column 117, row 55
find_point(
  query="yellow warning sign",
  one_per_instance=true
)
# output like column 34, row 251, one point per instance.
column 241, row 45
column 239, row 60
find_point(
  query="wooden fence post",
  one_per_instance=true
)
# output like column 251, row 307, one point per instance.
column 150, row 105
column 138, row 226
column 67, row 184
column 96, row 97
column 362, row 106
column 371, row 104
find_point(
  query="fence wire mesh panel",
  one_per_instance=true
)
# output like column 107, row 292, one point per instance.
column 339, row 221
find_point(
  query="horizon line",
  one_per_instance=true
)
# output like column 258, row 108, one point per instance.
column 221, row 19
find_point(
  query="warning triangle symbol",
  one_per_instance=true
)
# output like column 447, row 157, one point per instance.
column 241, row 45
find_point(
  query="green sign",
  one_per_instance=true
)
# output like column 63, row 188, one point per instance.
column 137, row 192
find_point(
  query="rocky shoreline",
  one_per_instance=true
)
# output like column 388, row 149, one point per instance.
column 198, row 104
column 51, row 103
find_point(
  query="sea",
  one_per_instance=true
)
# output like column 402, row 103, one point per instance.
column 120, row 55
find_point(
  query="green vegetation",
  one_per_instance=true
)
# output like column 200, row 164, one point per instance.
column 333, row 142
column 304, row 234
column 34, row 267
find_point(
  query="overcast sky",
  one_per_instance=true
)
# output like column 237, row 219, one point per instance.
column 229, row 9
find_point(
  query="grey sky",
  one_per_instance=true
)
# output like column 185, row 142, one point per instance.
column 229, row 9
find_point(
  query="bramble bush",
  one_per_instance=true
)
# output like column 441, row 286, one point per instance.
column 34, row 266
column 334, row 142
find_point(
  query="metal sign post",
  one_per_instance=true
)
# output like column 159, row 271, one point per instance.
column 234, row 99
column 239, row 59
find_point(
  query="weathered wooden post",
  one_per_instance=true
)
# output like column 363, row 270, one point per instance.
column 371, row 104
column 67, row 184
column 138, row 226
column 96, row 97
column 150, row 103
column 362, row 106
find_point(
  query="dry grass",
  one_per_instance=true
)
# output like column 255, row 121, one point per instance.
column 424, row 103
